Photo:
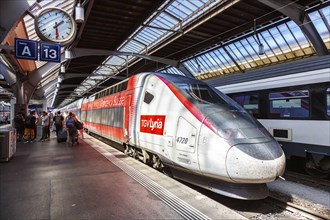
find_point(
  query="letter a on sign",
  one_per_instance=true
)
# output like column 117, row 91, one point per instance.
column 26, row 49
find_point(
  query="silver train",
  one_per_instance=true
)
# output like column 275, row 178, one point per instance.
column 187, row 129
column 293, row 103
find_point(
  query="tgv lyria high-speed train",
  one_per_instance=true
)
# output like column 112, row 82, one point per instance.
column 194, row 132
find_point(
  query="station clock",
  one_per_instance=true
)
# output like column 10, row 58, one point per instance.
column 55, row 25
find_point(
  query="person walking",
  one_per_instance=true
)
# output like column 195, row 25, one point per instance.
column 30, row 125
column 45, row 126
column 51, row 121
column 79, row 125
column 19, row 125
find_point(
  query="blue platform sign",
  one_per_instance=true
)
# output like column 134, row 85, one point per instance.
column 26, row 49
column 50, row 52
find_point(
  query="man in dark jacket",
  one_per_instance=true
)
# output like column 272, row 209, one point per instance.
column 30, row 125
column 58, row 120
column 19, row 125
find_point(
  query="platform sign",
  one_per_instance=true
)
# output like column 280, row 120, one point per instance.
column 26, row 49
column 50, row 52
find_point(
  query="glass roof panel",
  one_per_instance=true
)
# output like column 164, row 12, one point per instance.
column 166, row 22
column 319, row 22
column 277, row 41
column 191, row 66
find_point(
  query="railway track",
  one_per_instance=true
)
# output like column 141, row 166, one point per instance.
column 308, row 213
column 307, row 180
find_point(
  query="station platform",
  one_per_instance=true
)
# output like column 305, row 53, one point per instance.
column 50, row 180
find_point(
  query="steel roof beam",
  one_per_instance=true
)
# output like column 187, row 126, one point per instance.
column 35, row 77
column 10, row 14
column 79, row 75
column 298, row 14
column 80, row 52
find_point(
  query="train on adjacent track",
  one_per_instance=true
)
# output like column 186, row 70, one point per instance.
column 187, row 129
column 293, row 102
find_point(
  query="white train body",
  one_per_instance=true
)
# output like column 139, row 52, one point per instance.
column 201, row 134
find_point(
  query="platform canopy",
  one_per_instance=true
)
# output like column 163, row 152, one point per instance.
column 206, row 38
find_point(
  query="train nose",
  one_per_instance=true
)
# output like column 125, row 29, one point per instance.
column 258, row 163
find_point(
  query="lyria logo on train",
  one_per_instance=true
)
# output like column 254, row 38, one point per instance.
column 153, row 124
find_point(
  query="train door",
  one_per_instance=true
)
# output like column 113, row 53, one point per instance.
column 185, row 143
column 127, row 117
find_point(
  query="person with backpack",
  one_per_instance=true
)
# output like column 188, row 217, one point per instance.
column 72, row 130
column 79, row 125
column 30, row 125
column 19, row 125
column 58, row 120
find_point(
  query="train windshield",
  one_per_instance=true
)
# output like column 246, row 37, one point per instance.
column 201, row 93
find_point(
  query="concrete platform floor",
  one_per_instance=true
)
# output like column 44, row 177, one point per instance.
column 50, row 180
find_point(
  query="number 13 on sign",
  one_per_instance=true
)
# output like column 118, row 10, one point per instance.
column 50, row 52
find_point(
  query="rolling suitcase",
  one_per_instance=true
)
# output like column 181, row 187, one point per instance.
column 62, row 135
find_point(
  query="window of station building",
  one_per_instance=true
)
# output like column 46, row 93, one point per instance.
column 292, row 104
column 249, row 102
column 328, row 101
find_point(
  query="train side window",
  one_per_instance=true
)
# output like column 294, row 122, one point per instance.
column 148, row 97
column 249, row 102
column 292, row 104
column 328, row 101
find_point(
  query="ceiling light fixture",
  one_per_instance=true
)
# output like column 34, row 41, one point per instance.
column 261, row 48
column 79, row 12
column 62, row 68
column 67, row 54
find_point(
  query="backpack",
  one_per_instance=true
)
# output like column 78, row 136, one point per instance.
column 79, row 125
column 58, row 120
column 70, row 123
column 18, row 120
column 29, row 121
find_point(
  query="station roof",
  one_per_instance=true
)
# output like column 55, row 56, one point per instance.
column 211, row 38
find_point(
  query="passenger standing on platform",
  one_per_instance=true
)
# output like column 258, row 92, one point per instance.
column 37, row 120
column 30, row 125
column 50, row 118
column 72, row 130
column 79, row 125
column 19, row 125
column 58, row 120
column 45, row 126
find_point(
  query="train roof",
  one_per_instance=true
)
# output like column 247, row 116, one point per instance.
column 175, row 78
column 306, row 65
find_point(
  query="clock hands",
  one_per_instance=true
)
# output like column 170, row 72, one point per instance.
column 56, row 28
column 58, row 24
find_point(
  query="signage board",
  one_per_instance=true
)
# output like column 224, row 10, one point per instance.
column 50, row 52
column 26, row 49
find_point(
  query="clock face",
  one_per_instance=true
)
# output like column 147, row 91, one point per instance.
column 55, row 25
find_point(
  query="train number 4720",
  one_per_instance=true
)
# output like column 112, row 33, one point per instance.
column 182, row 140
